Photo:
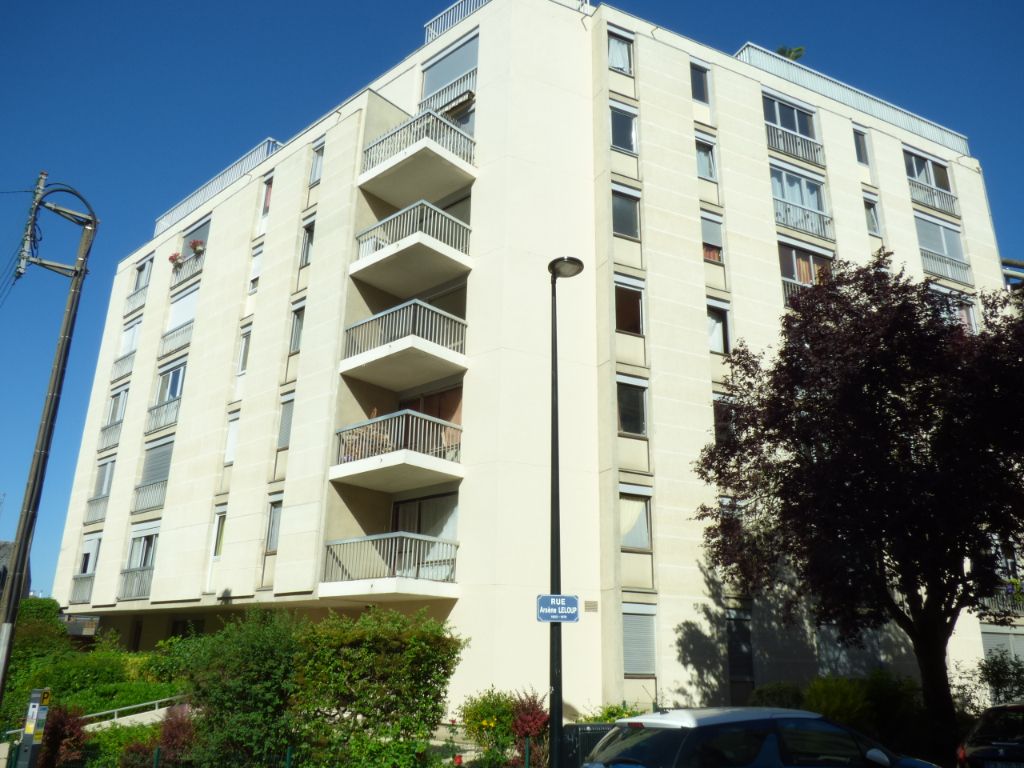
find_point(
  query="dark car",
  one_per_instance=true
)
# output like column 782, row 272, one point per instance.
column 740, row 737
column 997, row 739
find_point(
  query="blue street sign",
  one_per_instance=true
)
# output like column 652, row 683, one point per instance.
column 558, row 608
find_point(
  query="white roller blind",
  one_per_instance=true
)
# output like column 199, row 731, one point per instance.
column 638, row 657
column 711, row 231
column 232, row 441
column 285, row 431
column 183, row 309
column 157, row 464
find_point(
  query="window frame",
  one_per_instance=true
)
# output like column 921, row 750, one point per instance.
column 806, row 178
column 255, row 267
column 646, row 615
column 624, row 38
column 930, row 164
column 129, row 337
column 173, row 374
column 316, row 168
column 104, row 477
column 633, row 285
column 632, row 383
column 646, row 494
column 473, row 38
column 266, row 197
column 715, row 219
column 220, row 517
column 947, row 229
column 295, row 334
column 308, row 240
column 706, row 139
column 231, row 438
column 872, row 215
column 704, row 79
column 860, row 145
column 90, row 549
column 244, row 348
column 275, row 505
column 721, row 309
column 284, row 436
column 631, row 112
column 622, row 192
column 798, row 109
column 143, row 270
column 816, row 254
column 116, row 404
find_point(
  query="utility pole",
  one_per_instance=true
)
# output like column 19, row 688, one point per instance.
column 15, row 583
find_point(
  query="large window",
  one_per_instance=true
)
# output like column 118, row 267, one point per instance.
column 620, row 52
column 926, row 171
column 90, row 553
column 798, row 190
column 156, row 466
column 450, row 65
column 711, row 235
column 860, row 145
column 699, row 83
column 783, row 115
column 939, row 237
column 871, row 217
column 435, row 516
column 172, row 381
column 129, row 338
column 803, row 266
column 183, row 309
column 142, row 548
column 706, row 159
column 623, row 127
column 195, row 240
column 718, row 327
column 635, row 521
column 625, row 211
column 638, row 640
column 104, row 478
column 143, row 271
column 632, row 398
column 116, row 406
column 629, row 305
column 316, row 169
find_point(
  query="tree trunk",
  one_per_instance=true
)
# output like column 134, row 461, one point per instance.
column 930, row 650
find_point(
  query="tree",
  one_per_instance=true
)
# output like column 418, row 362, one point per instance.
column 875, row 462
column 790, row 53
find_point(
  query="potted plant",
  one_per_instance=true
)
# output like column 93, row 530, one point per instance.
column 175, row 259
column 198, row 247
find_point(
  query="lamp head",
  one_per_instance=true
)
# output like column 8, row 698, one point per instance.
column 566, row 266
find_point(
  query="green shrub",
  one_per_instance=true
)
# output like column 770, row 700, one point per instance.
column 63, row 739
column 105, row 746
column 841, row 699
column 786, row 695
column 488, row 718
column 609, row 713
column 173, row 658
column 1003, row 674
column 104, row 696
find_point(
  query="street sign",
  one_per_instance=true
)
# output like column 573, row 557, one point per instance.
column 558, row 608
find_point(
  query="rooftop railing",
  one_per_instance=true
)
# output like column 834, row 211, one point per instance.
column 149, row 496
column 944, row 266
column 933, row 197
column 81, row 588
column 413, row 318
column 136, row 299
column 403, row 430
column 96, row 509
column 175, row 339
column 795, row 145
column 110, row 435
column 162, row 415
column 122, row 366
column 450, row 16
column 418, row 218
column 805, row 219
column 426, row 125
column 391, row 555
column 135, row 583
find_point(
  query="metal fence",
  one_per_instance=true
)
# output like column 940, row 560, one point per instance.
column 136, row 299
column 162, row 415
column 790, row 288
column 450, row 16
column 390, row 555
column 183, row 270
column 110, row 435
column 135, row 583
column 933, row 197
column 421, row 217
column 150, row 496
column 794, row 144
column 81, row 588
column 122, row 366
column 805, row 219
column 413, row 318
column 403, row 430
column 426, row 125
column 96, row 509
column 175, row 339
column 943, row 266
column 449, row 93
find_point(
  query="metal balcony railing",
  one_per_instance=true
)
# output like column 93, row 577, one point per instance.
column 403, row 430
column 413, row 318
column 175, row 339
column 791, row 288
column 110, row 435
column 122, row 366
column 183, row 270
column 805, row 219
column 150, row 496
column 944, row 266
column 391, row 555
column 1006, row 601
column 426, row 125
column 96, row 509
column 450, row 16
column 795, row 145
column 81, row 588
column 135, row 583
column 136, row 299
column 448, row 93
column 162, row 415
column 933, row 197
column 421, row 217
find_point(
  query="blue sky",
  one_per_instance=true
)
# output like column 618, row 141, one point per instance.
column 136, row 104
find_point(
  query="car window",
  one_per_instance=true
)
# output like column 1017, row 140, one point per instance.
column 736, row 745
column 647, row 747
column 999, row 725
column 807, row 742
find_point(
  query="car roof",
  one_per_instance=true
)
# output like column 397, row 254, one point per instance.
column 695, row 717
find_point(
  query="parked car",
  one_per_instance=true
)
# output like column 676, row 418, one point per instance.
column 740, row 737
column 997, row 739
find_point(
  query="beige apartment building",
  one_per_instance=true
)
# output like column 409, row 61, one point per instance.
column 324, row 383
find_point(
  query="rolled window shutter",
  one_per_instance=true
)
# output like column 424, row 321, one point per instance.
column 638, row 644
column 157, row 464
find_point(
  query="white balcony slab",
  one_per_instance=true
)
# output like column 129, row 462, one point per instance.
column 397, row 471
column 425, row 170
column 394, row 589
column 404, row 364
column 411, row 265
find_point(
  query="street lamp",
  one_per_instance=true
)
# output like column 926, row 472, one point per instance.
column 566, row 266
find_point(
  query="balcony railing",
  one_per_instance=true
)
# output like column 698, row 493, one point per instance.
column 795, row 145
column 943, row 266
column 413, row 318
column 426, row 125
column 391, row 555
column 403, row 430
column 450, row 16
column 150, row 496
column 135, row 583
column 122, row 366
column 96, row 509
column 175, row 339
column 805, row 219
column 933, row 197
column 183, row 270
column 81, row 588
column 449, row 93
column 791, row 288
column 1010, row 601
column 421, row 217
column 162, row 415
column 136, row 299
column 110, row 435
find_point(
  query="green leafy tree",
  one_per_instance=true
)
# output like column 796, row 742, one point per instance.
column 875, row 461
column 791, row 53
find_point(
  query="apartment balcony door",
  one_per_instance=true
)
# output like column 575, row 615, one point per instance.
column 436, row 517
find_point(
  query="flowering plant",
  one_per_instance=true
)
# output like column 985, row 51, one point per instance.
column 197, row 246
column 175, row 258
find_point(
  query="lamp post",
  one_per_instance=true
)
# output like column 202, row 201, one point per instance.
column 563, row 267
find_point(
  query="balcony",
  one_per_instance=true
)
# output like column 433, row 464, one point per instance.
column 1008, row 602
column 791, row 288
column 135, row 583
column 186, row 269
column 804, row 219
column 96, row 509
column 135, row 300
column 463, row 86
column 110, row 435
column 933, row 197
column 411, row 344
column 795, row 145
column 390, row 565
column 943, row 266
column 122, row 366
column 412, row 250
column 162, row 415
column 398, row 452
column 424, row 157
column 450, row 16
column 175, row 339
column 149, row 496
column 81, row 588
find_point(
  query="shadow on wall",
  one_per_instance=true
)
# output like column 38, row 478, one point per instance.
column 736, row 644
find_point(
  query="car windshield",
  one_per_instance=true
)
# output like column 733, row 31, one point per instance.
column 999, row 725
column 647, row 747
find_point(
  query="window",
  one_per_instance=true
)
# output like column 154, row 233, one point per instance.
column 183, row 309
column 450, row 65
column 960, row 306
column 699, row 83
column 623, row 127
column 284, row 431
column 632, row 396
column 871, row 217
column 298, row 315
column 724, row 414
column 268, row 189
column 244, row 340
column 629, row 305
column 116, row 406
column 711, row 235
column 938, row 237
column 925, row 170
column 155, row 468
column 435, row 516
column 129, row 338
column 142, row 549
column 273, row 526
column 463, row 116
column 797, row 190
column 90, row 552
column 635, row 519
column 255, row 268
column 220, row 516
column 194, row 241
column 306, row 249
column 638, row 643
column 104, row 477
column 706, row 160
column 860, row 144
column 625, row 211
column 783, row 115
column 803, row 266
column 231, row 442
column 171, row 383
column 143, row 271
column 317, row 167
column 718, row 327
column 620, row 52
